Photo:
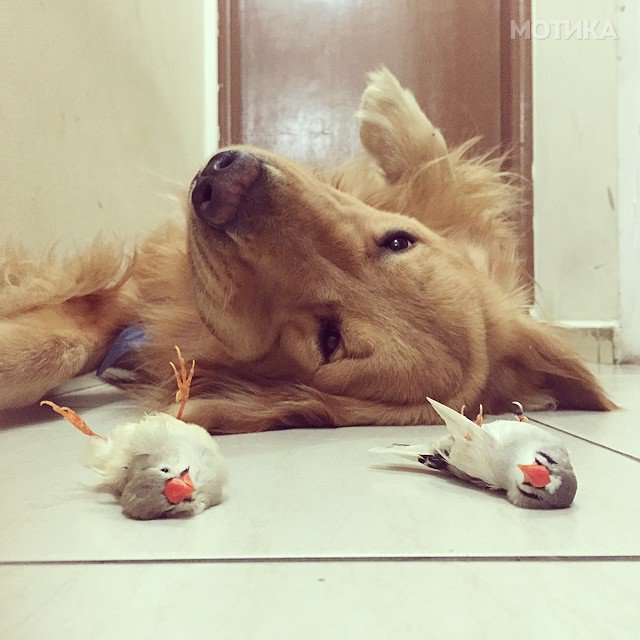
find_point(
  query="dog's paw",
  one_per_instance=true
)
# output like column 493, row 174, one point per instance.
column 393, row 128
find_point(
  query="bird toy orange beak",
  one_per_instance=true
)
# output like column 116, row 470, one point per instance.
column 179, row 488
column 535, row 474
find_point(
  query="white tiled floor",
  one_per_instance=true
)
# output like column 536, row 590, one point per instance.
column 320, row 539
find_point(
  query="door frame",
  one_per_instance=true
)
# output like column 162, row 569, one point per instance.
column 230, row 90
column 517, row 116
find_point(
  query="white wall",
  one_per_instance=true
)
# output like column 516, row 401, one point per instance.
column 104, row 104
column 575, row 170
column 585, row 146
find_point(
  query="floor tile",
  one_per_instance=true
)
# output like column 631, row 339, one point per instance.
column 618, row 430
column 313, row 600
column 303, row 493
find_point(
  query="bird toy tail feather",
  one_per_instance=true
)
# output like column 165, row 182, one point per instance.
column 408, row 452
column 99, row 456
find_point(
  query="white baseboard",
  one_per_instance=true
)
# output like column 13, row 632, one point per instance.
column 595, row 340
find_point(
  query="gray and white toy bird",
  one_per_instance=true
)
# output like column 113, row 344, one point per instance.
column 159, row 467
column 531, row 464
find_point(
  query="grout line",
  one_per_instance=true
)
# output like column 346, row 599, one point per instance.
column 331, row 559
column 598, row 444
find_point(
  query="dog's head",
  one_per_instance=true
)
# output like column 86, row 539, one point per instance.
column 327, row 310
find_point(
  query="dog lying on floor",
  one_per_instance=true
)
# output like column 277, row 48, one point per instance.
column 310, row 299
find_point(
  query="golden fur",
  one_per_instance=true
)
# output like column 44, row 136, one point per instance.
column 446, row 318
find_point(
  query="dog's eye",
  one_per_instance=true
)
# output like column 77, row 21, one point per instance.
column 328, row 338
column 397, row 241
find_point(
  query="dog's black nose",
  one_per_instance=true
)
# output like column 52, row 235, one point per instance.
column 221, row 185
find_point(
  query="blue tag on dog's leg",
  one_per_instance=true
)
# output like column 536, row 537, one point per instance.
column 131, row 338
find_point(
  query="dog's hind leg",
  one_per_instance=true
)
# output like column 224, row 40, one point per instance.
column 57, row 321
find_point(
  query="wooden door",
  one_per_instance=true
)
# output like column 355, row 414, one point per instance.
column 292, row 72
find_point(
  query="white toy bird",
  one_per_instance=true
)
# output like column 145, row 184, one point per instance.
column 531, row 464
column 159, row 467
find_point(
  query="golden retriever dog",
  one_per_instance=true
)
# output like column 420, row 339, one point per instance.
column 309, row 298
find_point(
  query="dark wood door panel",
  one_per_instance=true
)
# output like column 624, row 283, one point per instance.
column 302, row 68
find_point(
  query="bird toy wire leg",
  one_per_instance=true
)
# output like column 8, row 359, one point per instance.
column 480, row 417
column 183, row 380
column 71, row 416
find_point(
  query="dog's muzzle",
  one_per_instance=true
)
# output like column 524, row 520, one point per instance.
column 221, row 186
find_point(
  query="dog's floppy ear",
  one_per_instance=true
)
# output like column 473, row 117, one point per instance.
column 396, row 133
column 543, row 373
